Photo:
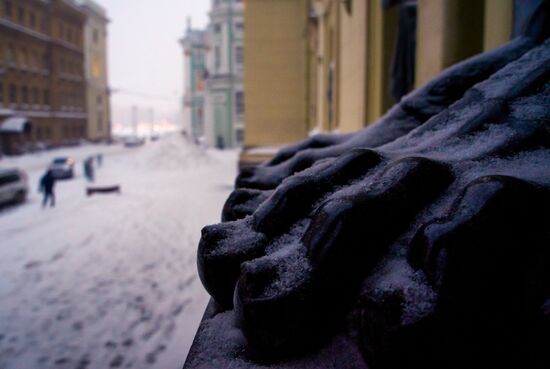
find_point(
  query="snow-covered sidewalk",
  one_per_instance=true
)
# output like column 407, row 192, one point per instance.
column 110, row 280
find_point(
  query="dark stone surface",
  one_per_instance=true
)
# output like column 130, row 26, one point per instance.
column 219, row 345
column 422, row 241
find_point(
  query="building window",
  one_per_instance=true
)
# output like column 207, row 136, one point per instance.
column 239, row 55
column 217, row 28
column 199, row 80
column 10, row 54
column 200, row 115
column 32, row 20
column 96, row 66
column 217, row 57
column 96, row 36
column 35, row 97
column 239, row 102
column 239, row 135
column 45, row 61
column 21, row 15
column 1, row 93
column 348, row 4
column 25, row 94
column 46, row 97
column 35, row 60
column 7, row 9
column 239, row 26
column 13, row 94
column 24, row 62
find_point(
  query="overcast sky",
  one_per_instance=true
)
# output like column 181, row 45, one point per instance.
column 145, row 58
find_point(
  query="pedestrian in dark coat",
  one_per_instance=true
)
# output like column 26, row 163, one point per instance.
column 47, row 184
column 89, row 169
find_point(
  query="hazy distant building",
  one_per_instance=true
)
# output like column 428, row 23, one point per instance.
column 195, row 50
column 42, row 85
column 95, row 55
column 224, row 119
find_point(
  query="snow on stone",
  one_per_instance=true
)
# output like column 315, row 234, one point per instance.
column 395, row 274
column 109, row 280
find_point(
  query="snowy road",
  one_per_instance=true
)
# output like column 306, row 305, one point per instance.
column 110, row 281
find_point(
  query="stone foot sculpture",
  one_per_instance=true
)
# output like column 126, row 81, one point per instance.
column 433, row 225
column 411, row 112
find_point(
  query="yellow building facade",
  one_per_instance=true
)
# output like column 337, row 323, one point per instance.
column 325, row 65
column 276, row 71
column 97, row 84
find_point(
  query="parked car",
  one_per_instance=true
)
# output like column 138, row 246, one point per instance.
column 62, row 168
column 13, row 186
column 134, row 141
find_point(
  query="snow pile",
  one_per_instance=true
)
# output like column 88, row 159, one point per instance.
column 186, row 158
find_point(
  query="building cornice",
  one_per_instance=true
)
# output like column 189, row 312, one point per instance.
column 19, row 28
column 74, row 6
column 67, row 45
column 67, row 115
column 222, row 81
column 93, row 8
column 97, row 84
column 70, row 77
column 221, row 12
column 43, row 114
column 38, row 35
column 94, row 13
